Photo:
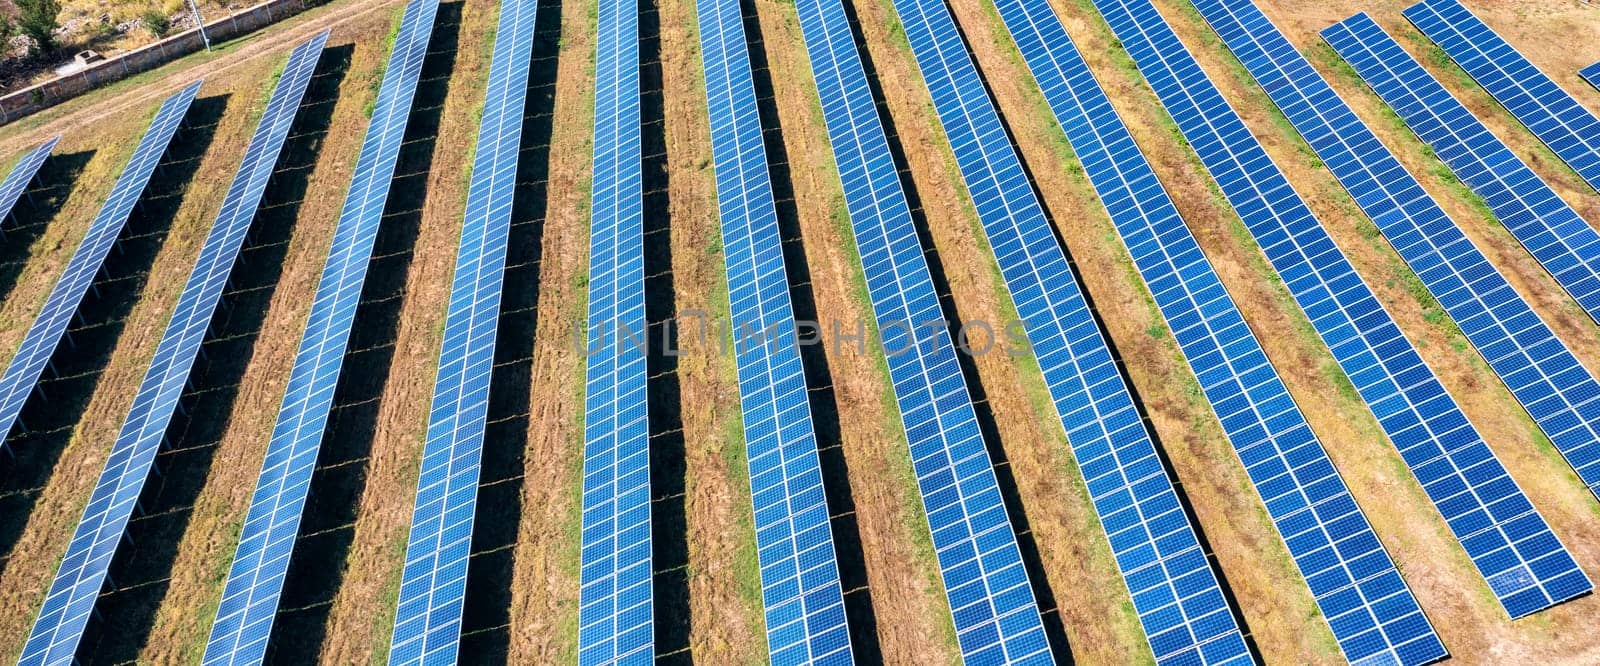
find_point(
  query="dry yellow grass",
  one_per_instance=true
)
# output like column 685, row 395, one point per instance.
column 722, row 622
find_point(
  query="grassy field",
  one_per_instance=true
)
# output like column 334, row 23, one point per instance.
column 522, row 606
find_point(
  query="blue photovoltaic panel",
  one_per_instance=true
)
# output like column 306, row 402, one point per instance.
column 1569, row 129
column 1591, row 74
column 1372, row 614
column 115, row 498
column 1524, row 564
column 40, row 342
column 250, row 599
column 615, row 620
column 1184, row 614
column 1550, row 229
column 88, row 558
column 427, row 625
column 22, row 175
column 800, row 587
column 991, row 600
column 1562, row 397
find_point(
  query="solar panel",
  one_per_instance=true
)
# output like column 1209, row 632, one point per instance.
column 39, row 344
column 614, row 606
column 1569, row 129
column 1591, row 74
column 243, row 624
column 1562, row 397
column 1185, row 616
column 1368, row 607
column 427, row 625
column 22, row 175
column 1549, row 228
column 800, row 586
column 985, row 583
column 1524, row 564
column 115, row 498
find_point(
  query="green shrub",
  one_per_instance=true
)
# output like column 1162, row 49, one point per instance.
column 37, row 19
column 156, row 22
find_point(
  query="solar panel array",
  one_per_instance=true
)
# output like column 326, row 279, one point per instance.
column 800, row 586
column 1370, row 610
column 991, row 600
column 615, row 620
column 22, row 175
column 1185, row 616
column 39, row 344
column 1513, row 547
column 427, row 625
column 249, row 603
column 87, row 562
column 1562, row 397
column 1549, row 228
column 1591, row 74
column 1569, row 129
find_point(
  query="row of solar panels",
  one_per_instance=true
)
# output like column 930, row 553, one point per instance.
column 1371, row 612
column 1175, row 592
column 243, row 619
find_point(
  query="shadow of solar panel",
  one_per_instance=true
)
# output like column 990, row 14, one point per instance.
column 427, row 626
column 990, row 597
column 115, row 498
column 16, row 184
column 801, row 590
column 1566, row 245
column 1543, row 375
column 1367, row 606
column 1567, row 127
column 249, row 603
column 40, row 342
column 1482, row 505
column 615, row 610
column 1185, row 616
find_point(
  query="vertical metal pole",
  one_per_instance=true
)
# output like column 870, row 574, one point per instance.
column 201, row 23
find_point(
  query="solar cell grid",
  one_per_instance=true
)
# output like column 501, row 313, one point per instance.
column 1185, row 616
column 39, row 344
column 991, row 600
column 1551, row 230
column 115, row 497
column 1562, row 397
column 1369, row 609
column 16, row 184
column 1591, row 74
column 801, row 590
column 427, row 626
column 1567, row 127
column 1449, row 457
column 249, row 603
column 615, row 620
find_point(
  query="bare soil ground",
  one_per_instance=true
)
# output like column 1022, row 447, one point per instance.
column 707, row 577
column 544, row 590
column 722, row 575
column 60, row 501
column 898, row 574
column 359, row 621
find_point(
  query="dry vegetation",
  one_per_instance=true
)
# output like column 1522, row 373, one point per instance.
column 708, row 571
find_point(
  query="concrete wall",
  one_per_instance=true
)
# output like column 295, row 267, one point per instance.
column 59, row 89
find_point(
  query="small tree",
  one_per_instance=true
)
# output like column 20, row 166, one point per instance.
column 157, row 22
column 37, row 19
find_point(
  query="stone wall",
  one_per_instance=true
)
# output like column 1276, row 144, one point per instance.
column 62, row 88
